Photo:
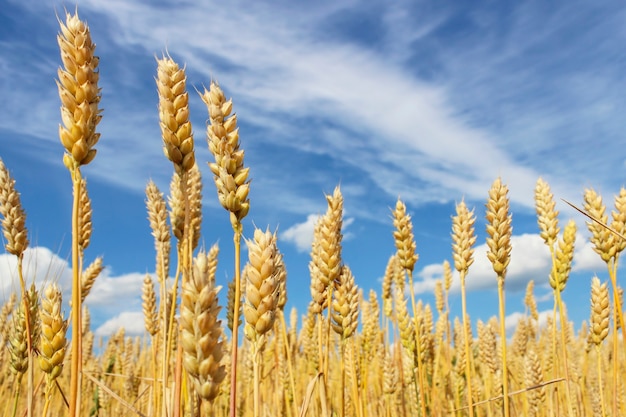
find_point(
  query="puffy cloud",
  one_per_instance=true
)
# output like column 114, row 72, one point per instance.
column 530, row 260
column 301, row 234
column 109, row 294
column 131, row 321
column 40, row 265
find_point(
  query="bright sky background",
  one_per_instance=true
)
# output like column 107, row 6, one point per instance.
column 429, row 101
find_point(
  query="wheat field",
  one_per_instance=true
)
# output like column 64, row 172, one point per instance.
column 212, row 351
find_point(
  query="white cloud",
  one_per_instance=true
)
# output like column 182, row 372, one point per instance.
column 40, row 265
column 301, row 234
column 108, row 296
column 115, row 290
column 530, row 260
column 131, row 321
column 585, row 258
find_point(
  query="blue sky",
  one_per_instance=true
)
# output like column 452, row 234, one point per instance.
column 429, row 101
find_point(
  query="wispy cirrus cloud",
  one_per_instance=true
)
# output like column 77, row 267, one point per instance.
column 431, row 124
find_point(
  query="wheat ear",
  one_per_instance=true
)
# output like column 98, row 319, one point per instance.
column 53, row 339
column 259, row 309
column 201, row 329
column 547, row 215
column 344, row 320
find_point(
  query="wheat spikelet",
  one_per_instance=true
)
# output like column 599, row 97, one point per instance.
column 371, row 322
column 195, row 204
column 79, row 92
column 403, row 235
column 176, row 202
column 309, row 337
column 459, row 342
column 231, row 178
column 345, row 307
column 602, row 239
column 447, row 276
column 206, row 263
column 547, row 216
column 18, row 337
column 261, row 291
column 599, row 321
column 529, row 300
column 230, row 306
column 53, row 329
column 89, row 275
column 326, row 249
column 564, row 256
column 618, row 222
column 405, row 323
column 387, row 285
column 463, row 237
column 317, row 287
column 32, row 297
column 261, row 303
column 293, row 328
column 176, row 129
column 157, row 215
column 7, row 308
column 18, row 347
column 498, row 228
column 149, row 305
column 439, row 300
column 281, row 275
column 201, row 333
column 14, row 216
column 85, row 320
column 521, row 337
column 390, row 379
column 84, row 216
column 533, row 376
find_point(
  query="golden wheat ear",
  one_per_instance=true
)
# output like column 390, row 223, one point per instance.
column 178, row 144
column 79, row 92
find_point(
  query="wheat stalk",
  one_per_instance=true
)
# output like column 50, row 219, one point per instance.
column 233, row 186
column 499, row 244
column 80, row 114
column 599, row 323
column 407, row 257
column 463, row 239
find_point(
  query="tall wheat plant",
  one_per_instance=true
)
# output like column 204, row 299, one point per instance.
column 80, row 114
column 233, row 185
